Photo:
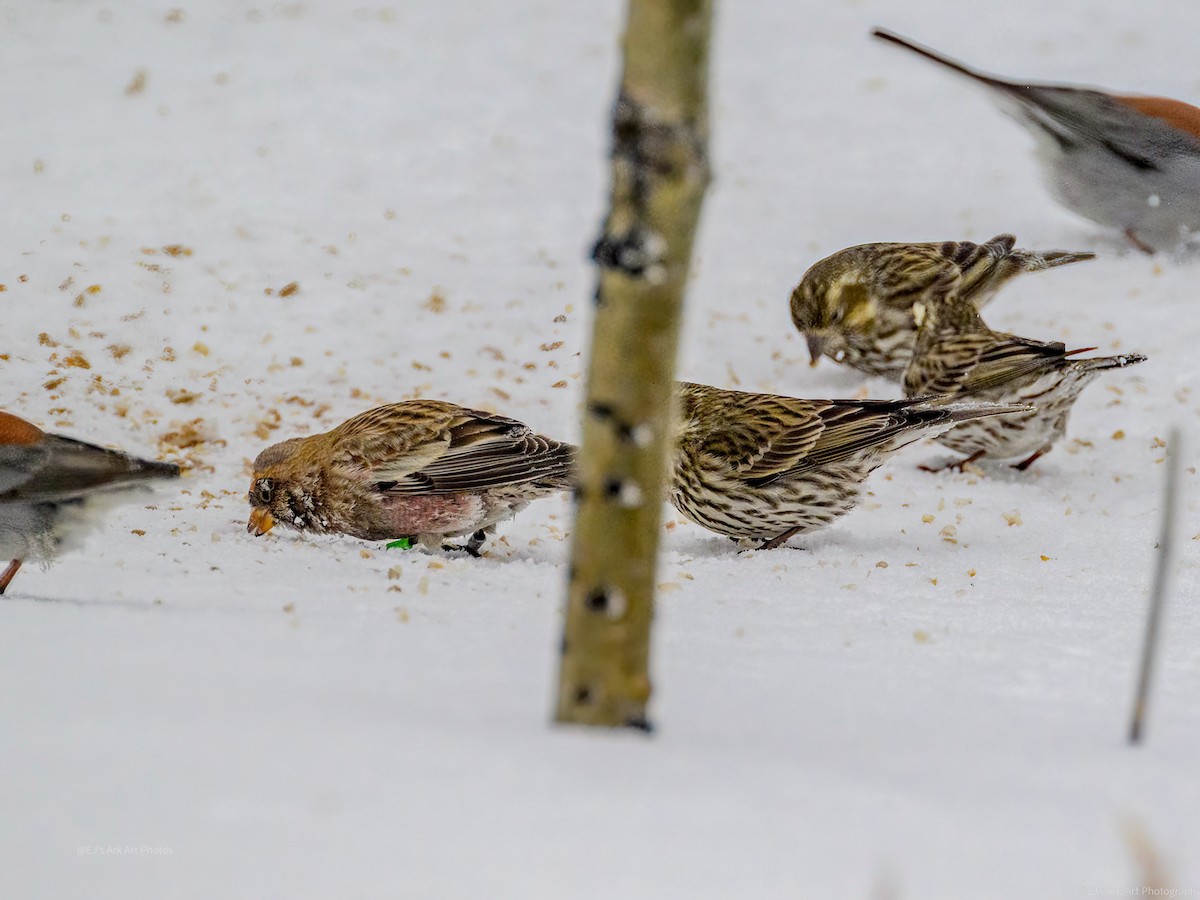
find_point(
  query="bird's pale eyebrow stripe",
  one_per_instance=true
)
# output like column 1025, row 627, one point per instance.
column 16, row 431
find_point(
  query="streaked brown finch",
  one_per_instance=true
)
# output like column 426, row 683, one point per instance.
column 422, row 470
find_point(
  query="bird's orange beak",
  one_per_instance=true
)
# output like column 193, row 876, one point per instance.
column 816, row 347
column 260, row 522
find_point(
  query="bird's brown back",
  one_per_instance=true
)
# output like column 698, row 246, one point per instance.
column 16, row 431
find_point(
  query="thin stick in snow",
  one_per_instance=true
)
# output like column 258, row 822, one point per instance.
column 1158, row 592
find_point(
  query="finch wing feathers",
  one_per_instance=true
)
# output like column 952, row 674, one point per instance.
column 1009, row 358
column 763, row 439
column 837, row 431
column 467, row 450
column 851, row 429
column 390, row 449
column 987, row 266
column 504, row 456
column 771, row 440
column 945, row 367
column 922, row 273
column 967, row 363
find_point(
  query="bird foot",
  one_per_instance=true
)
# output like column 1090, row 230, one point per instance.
column 779, row 540
column 1132, row 237
column 954, row 466
column 1026, row 463
column 471, row 546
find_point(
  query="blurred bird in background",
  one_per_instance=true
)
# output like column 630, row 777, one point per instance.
column 53, row 490
column 1130, row 163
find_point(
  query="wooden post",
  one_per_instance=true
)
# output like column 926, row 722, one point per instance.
column 660, row 171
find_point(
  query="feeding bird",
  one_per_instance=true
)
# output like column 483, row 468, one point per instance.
column 856, row 306
column 422, row 469
column 760, row 468
column 958, row 355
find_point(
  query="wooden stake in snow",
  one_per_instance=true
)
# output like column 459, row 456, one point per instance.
column 660, row 171
column 1158, row 593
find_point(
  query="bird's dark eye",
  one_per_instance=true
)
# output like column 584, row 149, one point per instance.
column 837, row 315
column 264, row 487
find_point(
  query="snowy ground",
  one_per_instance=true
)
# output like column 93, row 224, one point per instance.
column 191, row 712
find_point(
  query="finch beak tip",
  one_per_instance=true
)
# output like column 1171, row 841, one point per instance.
column 816, row 347
column 260, row 522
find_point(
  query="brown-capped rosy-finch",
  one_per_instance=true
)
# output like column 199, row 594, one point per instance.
column 1129, row 163
column 53, row 488
column 957, row 355
column 422, row 469
column 760, row 468
column 856, row 305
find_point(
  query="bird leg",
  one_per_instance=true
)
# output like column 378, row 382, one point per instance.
column 9, row 574
column 473, row 544
column 779, row 539
column 1026, row 463
column 955, row 466
column 1131, row 235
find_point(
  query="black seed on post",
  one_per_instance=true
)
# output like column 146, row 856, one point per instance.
column 583, row 695
column 602, row 411
column 597, row 600
column 625, row 432
column 598, row 249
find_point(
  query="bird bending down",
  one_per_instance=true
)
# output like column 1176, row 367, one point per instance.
column 761, row 468
column 856, row 305
column 1129, row 163
column 421, row 469
column 54, row 488
column 958, row 355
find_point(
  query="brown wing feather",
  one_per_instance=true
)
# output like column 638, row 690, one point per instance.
column 396, row 441
column 943, row 368
column 426, row 446
column 924, row 271
column 755, row 436
column 1010, row 358
column 505, row 455
column 852, row 428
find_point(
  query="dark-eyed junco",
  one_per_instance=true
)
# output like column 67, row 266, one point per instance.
column 1130, row 163
column 52, row 489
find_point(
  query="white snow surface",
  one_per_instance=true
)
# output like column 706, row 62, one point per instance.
column 189, row 711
